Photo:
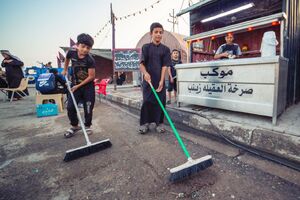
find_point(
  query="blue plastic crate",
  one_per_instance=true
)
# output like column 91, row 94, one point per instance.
column 44, row 110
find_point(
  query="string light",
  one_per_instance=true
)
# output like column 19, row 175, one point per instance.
column 101, row 29
column 138, row 12
column 106, row 35
column 126, row 17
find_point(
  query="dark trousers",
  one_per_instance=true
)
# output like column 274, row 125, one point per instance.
column 172, row 86
column 86, row 95
column 151, row 113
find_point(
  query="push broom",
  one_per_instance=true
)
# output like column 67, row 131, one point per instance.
column 89, row 148
column 190, row 167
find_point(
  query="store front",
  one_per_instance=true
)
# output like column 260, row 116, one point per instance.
column 260, row 77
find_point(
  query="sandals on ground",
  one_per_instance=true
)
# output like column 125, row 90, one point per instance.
column 71, row 132
column 143, row 129
column 89, row 130
column 160, row 129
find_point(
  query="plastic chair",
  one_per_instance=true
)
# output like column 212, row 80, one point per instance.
column 19, row 90
column 101, row 87
column 58, row 98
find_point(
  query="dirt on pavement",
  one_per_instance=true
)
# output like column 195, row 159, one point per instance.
column 135, row 167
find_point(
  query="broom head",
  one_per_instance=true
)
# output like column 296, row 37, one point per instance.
column 72, row 154
column 190, row 167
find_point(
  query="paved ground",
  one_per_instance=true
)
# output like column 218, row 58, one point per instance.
column 136, row 167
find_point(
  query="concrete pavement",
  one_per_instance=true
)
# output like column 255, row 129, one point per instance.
column 135, row 167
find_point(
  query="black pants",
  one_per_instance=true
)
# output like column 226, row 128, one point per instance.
column 86, row 95
column 151, row 113
column 172, row 86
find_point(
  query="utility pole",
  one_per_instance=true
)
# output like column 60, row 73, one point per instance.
column 174, row 20
column 112, row 20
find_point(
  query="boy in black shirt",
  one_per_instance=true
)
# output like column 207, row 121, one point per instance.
column 83, row 67
column 155, row 59
column 172, row 74
column 228, row 50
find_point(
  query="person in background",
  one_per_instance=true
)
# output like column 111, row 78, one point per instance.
column 60, row 83
column 121, row 79
column 229, row 50
column 49, row 65
column 14, row 74
column 172, row 74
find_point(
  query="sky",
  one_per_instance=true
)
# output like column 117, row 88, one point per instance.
column 34, row 30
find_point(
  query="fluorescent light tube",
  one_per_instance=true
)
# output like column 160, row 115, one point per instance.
column 247, row 6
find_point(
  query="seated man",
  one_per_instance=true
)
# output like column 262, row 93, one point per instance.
column 60, row 83
column 229, row 49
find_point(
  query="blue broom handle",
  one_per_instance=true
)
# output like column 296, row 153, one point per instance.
column 171, row 123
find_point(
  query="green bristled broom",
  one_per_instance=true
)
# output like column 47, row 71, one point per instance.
column 192, row 166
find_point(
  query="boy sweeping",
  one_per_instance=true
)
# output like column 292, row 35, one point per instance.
column 83, row 67
column 154, row 62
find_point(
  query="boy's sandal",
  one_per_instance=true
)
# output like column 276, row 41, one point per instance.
column 143, row 129
column 160, row 129
column 89, row 130
column 71, row 132
column 14, row 99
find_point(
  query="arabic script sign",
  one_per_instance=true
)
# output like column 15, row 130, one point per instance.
column 213, row 88
column 216, row 73
column 210, row 88
column 244, row 87
column 126, row 59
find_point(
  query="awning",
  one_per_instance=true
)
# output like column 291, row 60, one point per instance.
column 237, row 27
column 195, row 6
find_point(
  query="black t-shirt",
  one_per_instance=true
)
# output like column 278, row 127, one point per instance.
column 172, row 67
column 80, row 66
column 154, row 57
column 232, row 49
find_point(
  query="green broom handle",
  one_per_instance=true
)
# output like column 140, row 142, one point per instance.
column 171, row 123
